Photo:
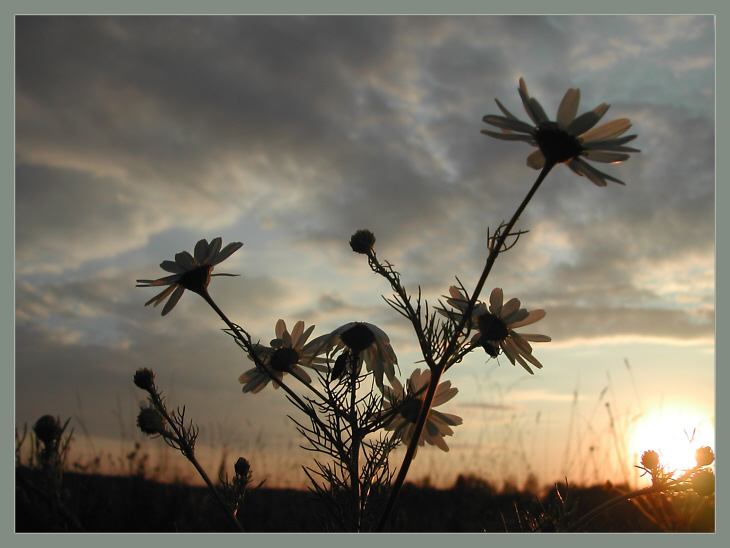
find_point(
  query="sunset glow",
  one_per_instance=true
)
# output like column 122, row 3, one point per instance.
column 675, row 435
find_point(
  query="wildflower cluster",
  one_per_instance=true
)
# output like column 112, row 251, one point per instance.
column 353, row 415
column 700, row 478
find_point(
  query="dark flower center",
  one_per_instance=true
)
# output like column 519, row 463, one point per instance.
column 358, row 338
column 284, row 359
column 410, row 409
column 492, row 331
column 196, row 280
column 556, row 144
column 492, row 328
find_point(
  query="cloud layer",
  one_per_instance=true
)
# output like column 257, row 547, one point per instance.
column 137, row 136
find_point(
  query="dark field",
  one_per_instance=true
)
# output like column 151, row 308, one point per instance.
column 96, row 503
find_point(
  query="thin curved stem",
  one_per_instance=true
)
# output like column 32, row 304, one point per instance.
column 244, row 339
column 493, row 254
column 189, row 451
column 437, row 369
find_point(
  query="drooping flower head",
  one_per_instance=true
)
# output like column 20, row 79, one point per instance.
column 408, row 404
column 288, row 351
column 191, row 272
column 496, row 326
column 361, row 342
column 569, row 139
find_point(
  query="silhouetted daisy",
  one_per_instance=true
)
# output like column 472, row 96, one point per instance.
column 496, row 326
column 568, row 140
column 496, row 330
column 408, row 402
column 191, row 272
column 287, row 352
column 361, row 342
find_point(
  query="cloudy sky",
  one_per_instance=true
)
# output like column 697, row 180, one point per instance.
column 138, row 136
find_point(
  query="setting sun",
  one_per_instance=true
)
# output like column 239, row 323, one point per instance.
column 675, row 435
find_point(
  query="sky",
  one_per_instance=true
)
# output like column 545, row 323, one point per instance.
column 138, row 136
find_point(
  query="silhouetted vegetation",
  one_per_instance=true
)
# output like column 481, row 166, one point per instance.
column 99, row 503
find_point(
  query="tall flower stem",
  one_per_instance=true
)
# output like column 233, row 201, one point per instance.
column 493, row 254
column 412, row 446
column 188, row 451
column 242, row 336
column 438, row 369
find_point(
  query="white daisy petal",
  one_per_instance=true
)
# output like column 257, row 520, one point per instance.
column 605, row 156
column 609, row 144
column 532, row 317
column 495, row 301
column 597, row 177
column 213, row 248
column 609, row 130
column 173, row 299
column 172, row 266
column 509, row 123
column 536, row 160
column 226, row 252
column 510, row 136
column 587, row 120
column 568, row 107
column 200, row 253
column 509, row 308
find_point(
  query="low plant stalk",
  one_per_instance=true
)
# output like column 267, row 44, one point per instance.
column 438, row 369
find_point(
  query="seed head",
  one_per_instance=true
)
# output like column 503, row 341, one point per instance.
column 242, row 467
column 650, row 460
column 144, row 378
column 362, row 241
column 704, row 456
column 150, row 421
column 48, row 429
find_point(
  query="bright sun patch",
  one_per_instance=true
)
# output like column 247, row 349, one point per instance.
column 674, row 435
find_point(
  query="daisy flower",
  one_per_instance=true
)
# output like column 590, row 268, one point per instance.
column 408, row 402
column 496, row 323
column 191, row 272
column 459, row 301
column 570, row 139
column 287, row 352
column 361, row 342
column 496, row 330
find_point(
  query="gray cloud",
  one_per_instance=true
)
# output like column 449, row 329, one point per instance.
column 136, row 136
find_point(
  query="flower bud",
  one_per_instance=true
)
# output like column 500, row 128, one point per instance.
column 48, row 429
column 150, row 421
column 144, row 378
column 362, row 241
column 704, row 456
column 242, row 467
column 650, row 460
